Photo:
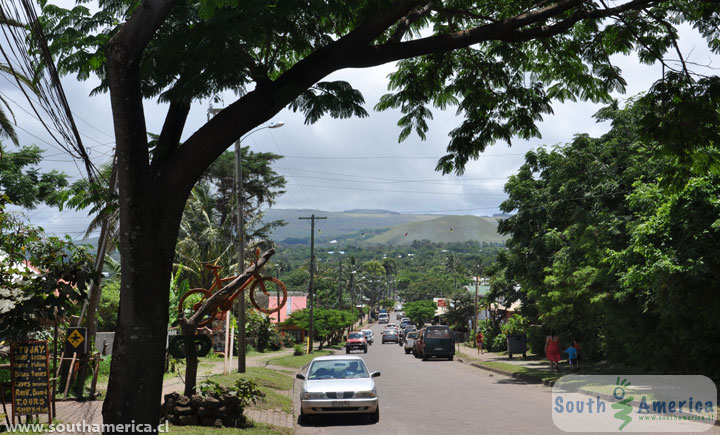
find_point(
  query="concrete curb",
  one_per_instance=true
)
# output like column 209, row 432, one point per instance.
column 521, row 376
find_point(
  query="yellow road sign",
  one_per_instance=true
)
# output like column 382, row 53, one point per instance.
column 75, row 338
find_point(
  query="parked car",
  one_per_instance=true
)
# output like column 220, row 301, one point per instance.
column 389, row 335
column 417, row 345
column 338, row 385
column 410, row 341
column 356, row 341
column 369, row 336
column 434, row 341
column 403, row 331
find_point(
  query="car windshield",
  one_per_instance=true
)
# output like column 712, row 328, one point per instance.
column 367, row 333
column 356, row 335
column 337, row 369
column 412, row 335
column 390, row 332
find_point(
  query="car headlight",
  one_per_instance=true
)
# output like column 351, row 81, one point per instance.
column 365, row 394
column 314, row 395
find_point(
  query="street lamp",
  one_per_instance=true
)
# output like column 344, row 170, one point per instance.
column 240, row 315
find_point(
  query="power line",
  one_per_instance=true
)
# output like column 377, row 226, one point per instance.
column 389, row 157
column 399, row 191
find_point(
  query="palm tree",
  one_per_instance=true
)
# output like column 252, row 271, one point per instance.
column 452, row 266
column 390, row 266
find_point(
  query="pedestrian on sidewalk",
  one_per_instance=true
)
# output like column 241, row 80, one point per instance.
column 552, row 350
column 572, row 356
column 576, row 345
column 479, row 342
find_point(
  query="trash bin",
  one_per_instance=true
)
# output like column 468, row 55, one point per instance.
column 517, row 344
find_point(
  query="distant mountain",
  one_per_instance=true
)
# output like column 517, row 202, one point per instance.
column 382, row 226
column 445, row 229
column 338, row 224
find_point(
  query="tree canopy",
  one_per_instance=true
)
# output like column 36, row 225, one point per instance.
column 501, row 64
column 604, row 253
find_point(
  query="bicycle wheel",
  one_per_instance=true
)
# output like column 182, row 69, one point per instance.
column 270, row 286
column 191, row 301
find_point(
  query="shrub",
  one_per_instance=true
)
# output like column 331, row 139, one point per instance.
column 515, row 325
column 299, row 350
column 499, row 343
column 536, row 339
column 275, row 341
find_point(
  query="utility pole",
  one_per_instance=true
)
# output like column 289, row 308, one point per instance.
column 339, row 284
column 277, row 275
column 240, row 225
column 311, row 293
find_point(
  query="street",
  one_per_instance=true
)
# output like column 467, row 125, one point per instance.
column 443, row 397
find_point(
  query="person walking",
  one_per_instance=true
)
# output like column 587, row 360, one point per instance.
column 479, row 342
column 552, row 350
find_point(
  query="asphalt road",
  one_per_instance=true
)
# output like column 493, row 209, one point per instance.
column 443, row 397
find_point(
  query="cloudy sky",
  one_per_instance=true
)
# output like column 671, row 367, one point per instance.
column 337, row 165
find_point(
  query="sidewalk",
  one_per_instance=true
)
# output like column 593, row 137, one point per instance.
column 533, row 369
column 90, row 412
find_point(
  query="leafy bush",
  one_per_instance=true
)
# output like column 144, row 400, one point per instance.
column 494, row 340
column 299, row 350
column 499, row 343
column 245, row 389
column 536, row 339
column 515, row 325
column 275, row 342
column 288, row 341
column 109, row 304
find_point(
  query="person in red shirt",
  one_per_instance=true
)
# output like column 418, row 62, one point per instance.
column 479, row 342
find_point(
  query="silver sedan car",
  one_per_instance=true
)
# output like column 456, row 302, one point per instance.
column 410, row 341
column 338, row 385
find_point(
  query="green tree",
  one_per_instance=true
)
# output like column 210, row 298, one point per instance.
column 41, row 278
column 420, row 311
column 524, row 56
column 23, row 183
column 329, row 324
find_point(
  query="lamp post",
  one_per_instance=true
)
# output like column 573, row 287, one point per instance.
column 240, row 225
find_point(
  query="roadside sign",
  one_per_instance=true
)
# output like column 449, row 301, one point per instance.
column 76, row 341
column 30, row 379
column 441, row 303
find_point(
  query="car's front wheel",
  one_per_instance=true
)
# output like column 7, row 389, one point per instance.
column 365, row 349
column 347, row 350
column 375, row 416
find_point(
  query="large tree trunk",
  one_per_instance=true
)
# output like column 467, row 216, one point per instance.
column 136, row 376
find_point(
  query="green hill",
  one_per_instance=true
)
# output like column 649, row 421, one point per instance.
column 338, row 225
column 445, row 229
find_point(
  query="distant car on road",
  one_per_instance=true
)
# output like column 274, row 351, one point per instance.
column 383, row 318
column 399, row 315
column 356, row 341
column 338, row 385
column 390, row 335
column 409, row 341
column 369, row 336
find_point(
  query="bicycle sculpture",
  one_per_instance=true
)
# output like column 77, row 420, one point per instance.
column 193, row 299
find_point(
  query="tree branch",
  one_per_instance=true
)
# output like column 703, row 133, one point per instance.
column 407, row 20
column 171, row 131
